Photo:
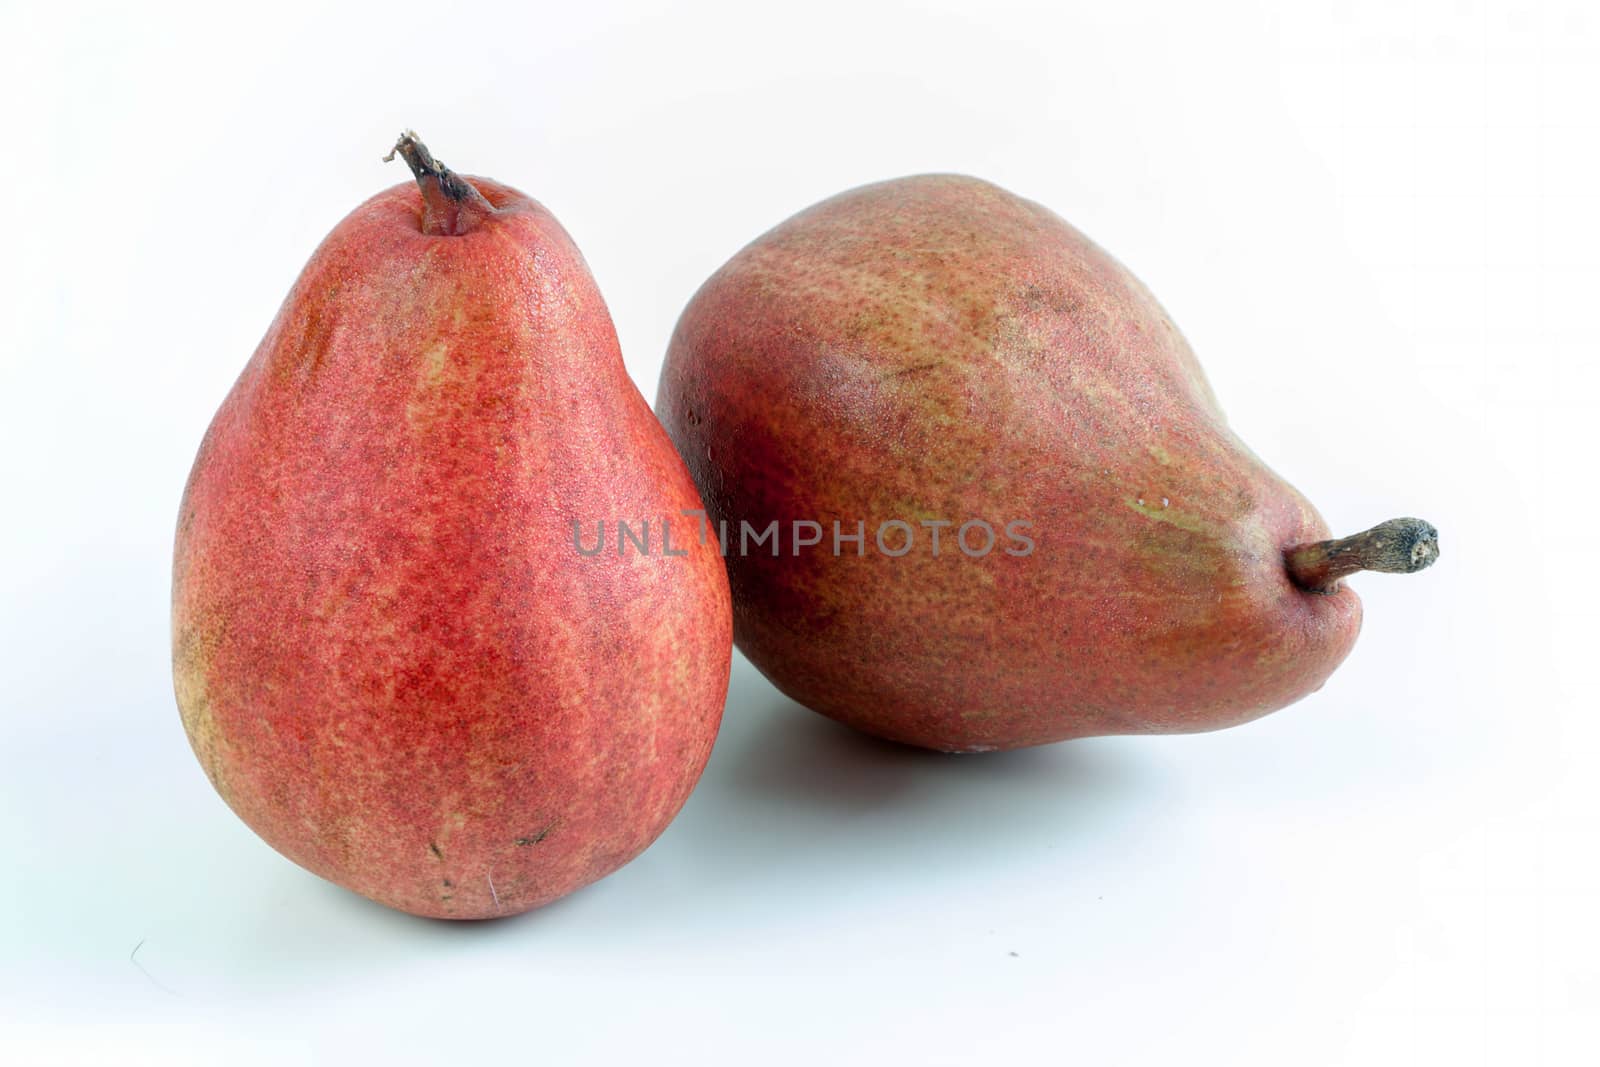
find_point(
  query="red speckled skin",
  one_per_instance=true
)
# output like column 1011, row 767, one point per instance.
column 390, row 659
column 937, row 348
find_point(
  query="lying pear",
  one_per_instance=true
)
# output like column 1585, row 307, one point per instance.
column 390, row 659
column 1008, row 509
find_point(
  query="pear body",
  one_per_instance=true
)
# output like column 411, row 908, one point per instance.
column 390, row 658
column 932, row 352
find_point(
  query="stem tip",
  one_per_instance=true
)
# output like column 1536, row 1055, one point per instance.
column 1399, row 546
column 451, row 206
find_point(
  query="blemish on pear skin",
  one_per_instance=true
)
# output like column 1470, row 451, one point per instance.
column 915, row 368
column 534, row 839
column 434, row 358
column 194, row 706
column 1161, row 510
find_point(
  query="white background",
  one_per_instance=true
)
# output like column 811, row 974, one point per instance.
column 1376, row 223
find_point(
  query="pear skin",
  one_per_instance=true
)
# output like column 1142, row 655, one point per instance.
column 935, row 352
column 390, row 659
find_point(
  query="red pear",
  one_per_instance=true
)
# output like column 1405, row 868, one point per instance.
column 391, row 659
column 1008, row 508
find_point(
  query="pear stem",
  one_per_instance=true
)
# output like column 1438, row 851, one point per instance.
column 1399, row 546
column 451, row 206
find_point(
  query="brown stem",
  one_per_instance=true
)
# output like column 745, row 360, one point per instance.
column 451, row 206
column 1399, row 546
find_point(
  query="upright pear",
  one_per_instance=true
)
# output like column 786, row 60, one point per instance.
column 1008, row 508
column 391, row 657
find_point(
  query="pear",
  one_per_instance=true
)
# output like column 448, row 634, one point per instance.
column 977, row 493
column 390, row 655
